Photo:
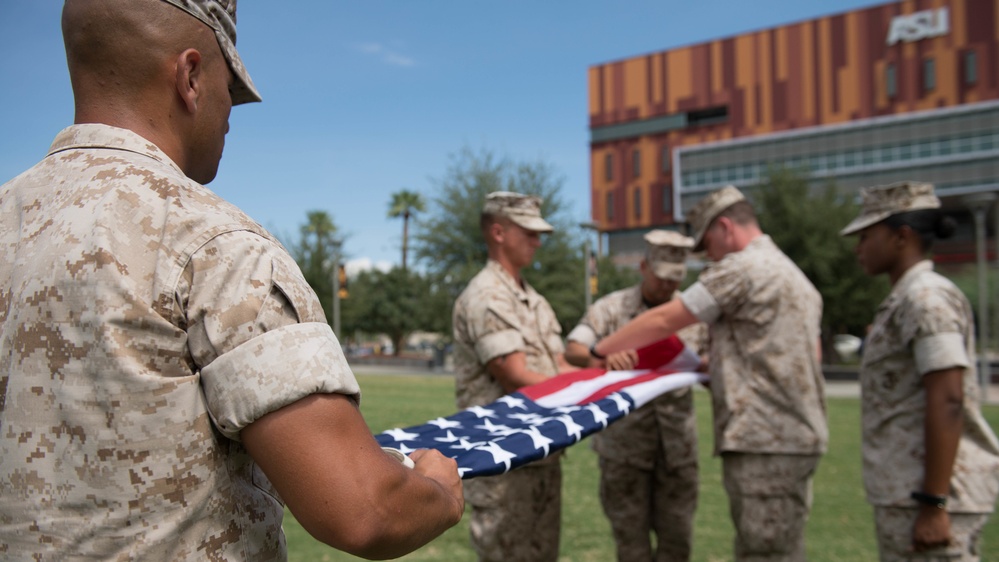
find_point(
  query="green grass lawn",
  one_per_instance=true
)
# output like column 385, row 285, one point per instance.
column 840, row 528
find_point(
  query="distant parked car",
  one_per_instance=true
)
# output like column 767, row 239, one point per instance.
column 847, row 346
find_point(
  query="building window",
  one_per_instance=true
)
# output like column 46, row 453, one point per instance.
column 636, row 163
column 667, row 201
column 891, row 85
column 610, row 206
column 609, row 166
column 665, row 156
column 710, row 116
column 970, row 68
column 929, row 75
column 638, row 203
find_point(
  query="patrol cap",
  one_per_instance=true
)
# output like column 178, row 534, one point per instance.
column 882, row 201
column 523, row 210
column 220, row 15
column 699, row 216
column 666, row 254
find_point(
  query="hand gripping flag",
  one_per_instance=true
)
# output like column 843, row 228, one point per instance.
column 540, row 419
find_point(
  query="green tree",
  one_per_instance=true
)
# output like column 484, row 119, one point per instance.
column 314, row 254
column 448, row 241
column 394, row 303
column 805, row 224
column 405, row 204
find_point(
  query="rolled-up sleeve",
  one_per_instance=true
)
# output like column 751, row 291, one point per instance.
column 257, row 331
column 699, row 301
column 273, row 370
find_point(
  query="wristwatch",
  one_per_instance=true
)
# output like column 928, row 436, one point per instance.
column 929, row 499
column 593, row 352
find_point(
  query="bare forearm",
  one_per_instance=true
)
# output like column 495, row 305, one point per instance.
column 512, row 373
column 578, row 354
column 650, row 326
column 404, row 515
column 943, row 427
column 344, row 490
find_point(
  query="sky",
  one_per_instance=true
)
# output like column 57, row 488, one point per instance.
column 365, row 98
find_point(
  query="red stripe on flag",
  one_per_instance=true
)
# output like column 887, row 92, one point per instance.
column 652, row 356
column 560, row 382
column 612, row 388
column 660, row 353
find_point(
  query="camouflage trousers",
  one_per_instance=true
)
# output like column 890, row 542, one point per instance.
column 894, row 531
column 516, row 516
column 639, row 502
column 770, row 497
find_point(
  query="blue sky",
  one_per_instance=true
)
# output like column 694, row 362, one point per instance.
column 364, row 98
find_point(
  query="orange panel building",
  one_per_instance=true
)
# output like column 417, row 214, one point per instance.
column 905, row 90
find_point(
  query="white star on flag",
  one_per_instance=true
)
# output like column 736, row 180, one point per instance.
column 571, row 427
column 444, row 423
column 481, row 412
column 599, row 415
column 500, row 455
column 401, row 434
column 449, row 438
column 539, row 439
column 488, row 425
column 513, row 402
column 466, row 445
column 621, row 402
column 528, row 418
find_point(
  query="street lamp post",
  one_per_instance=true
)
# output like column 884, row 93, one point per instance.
column 589, row 261
column 336, row 287
column 979, row 204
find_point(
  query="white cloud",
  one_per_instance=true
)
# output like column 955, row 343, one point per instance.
column 385, row 54
column 358, row 265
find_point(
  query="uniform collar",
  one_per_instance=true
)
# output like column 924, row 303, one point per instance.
column 907, row 279
column 97, row 135
column 525, row 293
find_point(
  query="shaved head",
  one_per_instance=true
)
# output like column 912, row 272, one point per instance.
column 116, row 50
column 152, row 68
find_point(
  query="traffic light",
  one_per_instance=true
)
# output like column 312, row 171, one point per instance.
column 342, row 279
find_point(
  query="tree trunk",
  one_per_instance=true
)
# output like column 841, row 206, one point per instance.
column 405, row 238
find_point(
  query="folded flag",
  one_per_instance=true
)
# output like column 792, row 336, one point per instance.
column 540, row 419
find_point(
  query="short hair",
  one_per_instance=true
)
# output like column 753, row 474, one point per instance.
column 928, row 224
column 741, row 212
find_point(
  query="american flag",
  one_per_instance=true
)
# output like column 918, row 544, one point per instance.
column 540, row 419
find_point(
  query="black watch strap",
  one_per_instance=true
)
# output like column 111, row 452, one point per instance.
column 929, row 499
column 593, row 352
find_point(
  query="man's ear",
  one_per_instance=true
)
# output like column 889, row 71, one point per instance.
column 188, row 81
column 496, row 231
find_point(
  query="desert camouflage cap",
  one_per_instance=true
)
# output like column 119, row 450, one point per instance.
column 220, row 15
column 524, row 210
column 666, row 253
column 882, row 201
column 699, row 216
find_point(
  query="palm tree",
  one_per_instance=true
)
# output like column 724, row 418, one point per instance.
column 318, row 241
column 405, row 204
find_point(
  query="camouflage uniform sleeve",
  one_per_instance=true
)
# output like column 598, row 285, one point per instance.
column 582, row 334
column 933, row 323
column 718, row 289
column 257, row 331
column 495, row 328
column 599, row 320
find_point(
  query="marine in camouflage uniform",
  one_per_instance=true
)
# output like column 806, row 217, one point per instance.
column 925, row 325
column 145, row 325
column 515, row 516
column 648, row 459
column 766, row 382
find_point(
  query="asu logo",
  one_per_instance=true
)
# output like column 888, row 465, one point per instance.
column 917, row 26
